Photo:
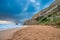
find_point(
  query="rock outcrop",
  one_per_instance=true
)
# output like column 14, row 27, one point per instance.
column 53, row 8
column 58, row 2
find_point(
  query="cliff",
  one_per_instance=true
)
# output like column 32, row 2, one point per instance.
column 45, row 15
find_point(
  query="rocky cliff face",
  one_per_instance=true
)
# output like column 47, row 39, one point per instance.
column 53, row 8
column 44, row 10
column 30, row 22
column 58, row 2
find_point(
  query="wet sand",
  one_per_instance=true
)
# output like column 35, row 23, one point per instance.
column 31, row 32
column 7, row 34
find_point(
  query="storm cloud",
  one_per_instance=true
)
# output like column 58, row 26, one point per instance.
column 14, row 9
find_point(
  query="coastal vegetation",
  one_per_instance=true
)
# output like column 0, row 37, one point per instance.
column 47, row 16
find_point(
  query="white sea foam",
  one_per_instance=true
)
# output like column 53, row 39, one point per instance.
column 9, row 26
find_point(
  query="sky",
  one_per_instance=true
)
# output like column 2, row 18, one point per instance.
column 20, row 10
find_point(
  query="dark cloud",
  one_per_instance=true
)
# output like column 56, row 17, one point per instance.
column 13, row 9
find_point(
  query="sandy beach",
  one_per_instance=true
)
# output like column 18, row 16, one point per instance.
column 31, row 32
column 7, row 34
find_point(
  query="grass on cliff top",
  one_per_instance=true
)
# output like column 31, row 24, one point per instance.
column 50, row 21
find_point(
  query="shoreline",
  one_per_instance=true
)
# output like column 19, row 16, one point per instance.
column 8, row 33
column 51, row 31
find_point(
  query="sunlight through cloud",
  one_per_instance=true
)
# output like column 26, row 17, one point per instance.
column 5, row 22
column 32, row 1
column 37, row 3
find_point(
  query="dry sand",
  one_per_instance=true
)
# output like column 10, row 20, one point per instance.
column 32, row 32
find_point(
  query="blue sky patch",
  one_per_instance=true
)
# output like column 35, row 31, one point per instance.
column 18, row 10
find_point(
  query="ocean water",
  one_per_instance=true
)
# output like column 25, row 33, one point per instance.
column 9, row 26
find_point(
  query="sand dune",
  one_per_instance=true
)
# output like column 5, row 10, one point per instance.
column 32, row 32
